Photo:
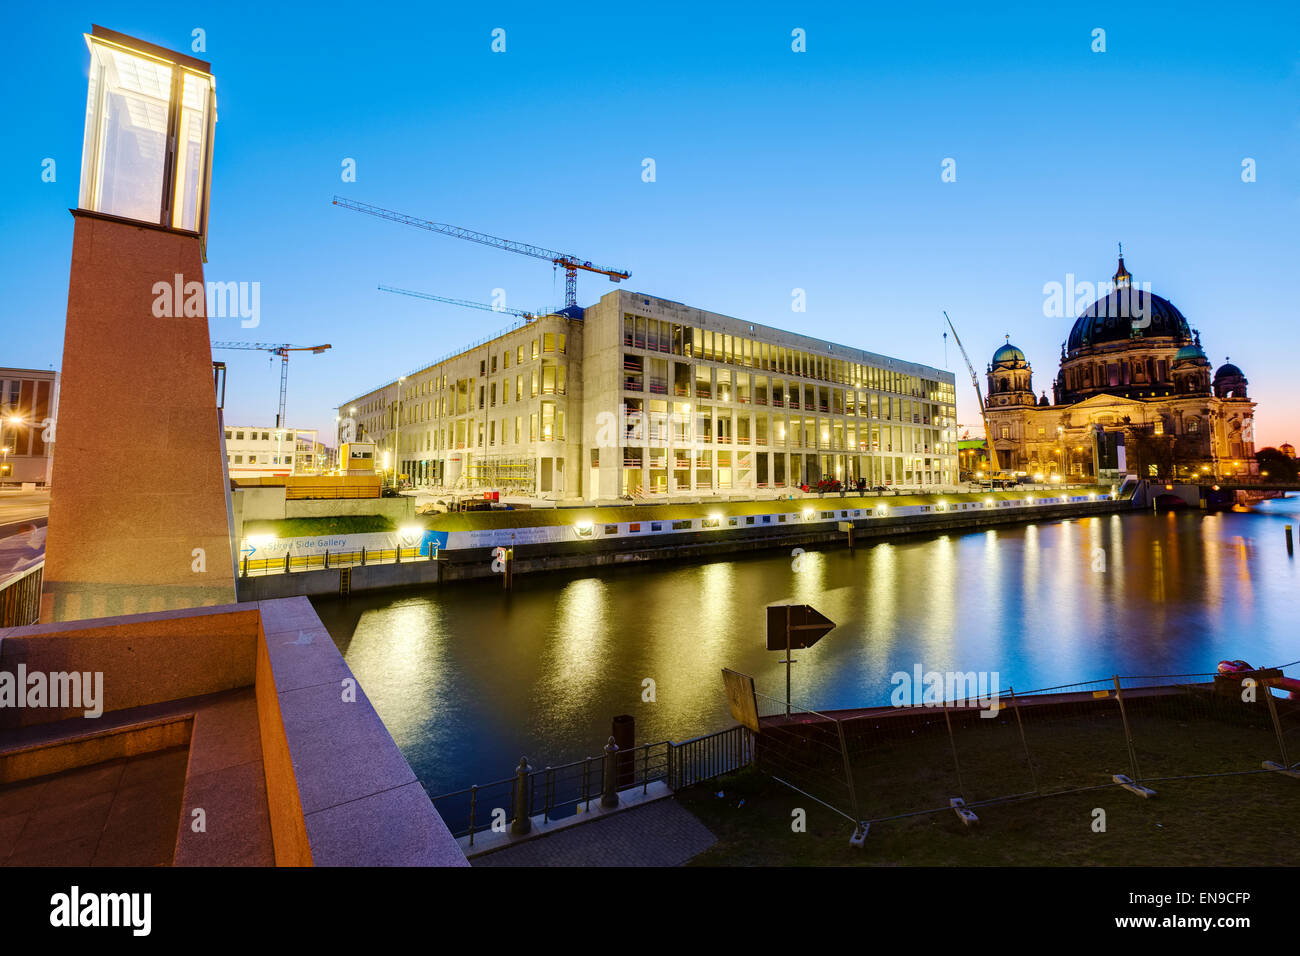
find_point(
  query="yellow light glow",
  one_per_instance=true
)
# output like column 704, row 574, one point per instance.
column 807, row 513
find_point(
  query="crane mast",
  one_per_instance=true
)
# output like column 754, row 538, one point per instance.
column 979, row 396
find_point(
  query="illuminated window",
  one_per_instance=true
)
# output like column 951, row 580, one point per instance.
column 138, row 95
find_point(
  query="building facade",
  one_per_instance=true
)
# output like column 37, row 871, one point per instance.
column 262, row 451
column 29, row 401
column 1133, row 375
column 642, row 396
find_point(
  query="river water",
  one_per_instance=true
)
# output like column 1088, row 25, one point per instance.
column 468, row 680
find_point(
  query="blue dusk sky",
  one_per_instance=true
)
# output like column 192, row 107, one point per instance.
column 775, row 170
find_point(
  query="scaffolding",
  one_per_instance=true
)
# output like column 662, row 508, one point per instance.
column 503, row 473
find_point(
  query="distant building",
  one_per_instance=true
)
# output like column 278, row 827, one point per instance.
column 1287, row 449
column 262, row 451
column 973, row 457
column 1133, row 374
column 29, row 400
column 639, row 396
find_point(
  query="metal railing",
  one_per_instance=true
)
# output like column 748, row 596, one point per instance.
column 563, row 791
column 329, row 560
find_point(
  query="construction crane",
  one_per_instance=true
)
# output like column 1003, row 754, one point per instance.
column 465, row 303
column 570, row 264
column 979, row 396
column 282, row 351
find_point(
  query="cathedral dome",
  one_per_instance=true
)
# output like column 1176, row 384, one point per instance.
column 1190, row 353
column 1111, row 320
column 1127, row 314
column 1008, row 355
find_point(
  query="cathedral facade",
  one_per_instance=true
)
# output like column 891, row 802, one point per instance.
column 1133, row 375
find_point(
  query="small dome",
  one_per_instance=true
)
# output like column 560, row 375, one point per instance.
column 1190, row 353
column 1228, row 370
column 1008, row 355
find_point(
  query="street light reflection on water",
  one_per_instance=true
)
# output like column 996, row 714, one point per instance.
column 468, row 679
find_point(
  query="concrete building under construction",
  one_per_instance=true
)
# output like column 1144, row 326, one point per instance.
column 638, row 396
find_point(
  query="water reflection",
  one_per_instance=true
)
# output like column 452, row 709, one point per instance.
column 468, row 679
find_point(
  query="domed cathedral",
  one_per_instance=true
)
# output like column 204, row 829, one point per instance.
column 1134, row 395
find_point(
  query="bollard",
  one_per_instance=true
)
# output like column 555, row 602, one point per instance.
column 1290, row 547
column 521, row 824
column 609, row 794
column 508, row 568
column 327, row 559
column 363, row 557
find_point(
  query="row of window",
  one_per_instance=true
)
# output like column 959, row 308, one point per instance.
column 252, row 460
column 654, row 335
column 546, row 424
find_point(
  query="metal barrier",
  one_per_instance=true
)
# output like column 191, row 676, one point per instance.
column 331, row 560
column 887, row 763
column 20, row 601
column 569, row 789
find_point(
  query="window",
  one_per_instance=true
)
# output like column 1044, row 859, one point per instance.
column 681, row 525
column 611, row 529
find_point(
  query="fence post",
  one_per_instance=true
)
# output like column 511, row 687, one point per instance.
column 848, row 770
column 953, row 742
column 1132, row 785
column 1277, row 724
column 327, row 559
column 363, row 557
column 1128, row 734
column 1033, row 776
column 609, row 795
column 522, row 824
column 473, row 805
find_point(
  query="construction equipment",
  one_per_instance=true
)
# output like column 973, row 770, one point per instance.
column 465, row 303
column 282, row 351
column 979, row 396
column 570, row 264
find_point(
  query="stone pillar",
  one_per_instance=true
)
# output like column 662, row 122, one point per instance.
column 138, row 517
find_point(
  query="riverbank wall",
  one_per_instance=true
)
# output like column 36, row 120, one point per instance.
column 529, row 559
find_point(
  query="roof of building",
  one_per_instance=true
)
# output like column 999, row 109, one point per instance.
column 1125, row 314
column 1228, row 370
column 1008, row 354
column 1190, row 353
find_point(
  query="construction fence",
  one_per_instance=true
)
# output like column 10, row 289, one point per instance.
column 888, row 763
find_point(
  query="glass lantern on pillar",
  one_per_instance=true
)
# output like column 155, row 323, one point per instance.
column 147, row 153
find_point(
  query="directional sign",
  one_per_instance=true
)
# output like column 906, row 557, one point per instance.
column 806, row 625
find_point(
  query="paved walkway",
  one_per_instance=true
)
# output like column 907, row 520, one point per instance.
column 663, row 833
